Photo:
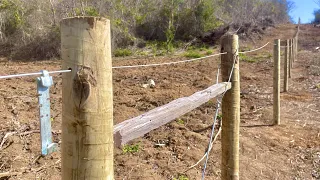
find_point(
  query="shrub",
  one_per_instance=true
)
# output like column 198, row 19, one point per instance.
column 209, row 52
column 180, row 121
column 122, row 52
column 131, row 149
column 181, row 177
column 192, row 54
column 246, row 58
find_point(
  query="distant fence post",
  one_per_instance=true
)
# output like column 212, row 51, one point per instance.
column 290, row 57
column 296, row 47
column 276, row 82
column 87, row 107
column 293, row 51
column 286, row 61
column 230, row 109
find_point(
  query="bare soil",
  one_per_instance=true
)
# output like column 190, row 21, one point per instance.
column 288, row 151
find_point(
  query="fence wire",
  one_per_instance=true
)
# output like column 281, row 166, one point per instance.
column 216, row 116
column 167, row 63
column 33, row 74
column 254, row 49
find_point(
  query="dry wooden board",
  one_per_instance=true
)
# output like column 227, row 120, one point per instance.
column 138, row 126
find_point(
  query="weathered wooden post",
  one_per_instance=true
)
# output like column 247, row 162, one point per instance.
column 290, row 57
column 293, row 51
column 296, row 46
column 286, row 61
column 87, row 107
column 276, row 82
column 230, row 109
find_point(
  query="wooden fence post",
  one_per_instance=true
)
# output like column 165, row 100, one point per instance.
column 87, row 107
column 293, row 51
column 290, row 57
column 230, row 109
column 296, row 46
column 286, row 61
column 276, row 82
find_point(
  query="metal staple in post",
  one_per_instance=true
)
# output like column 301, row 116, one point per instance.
column 43, row 85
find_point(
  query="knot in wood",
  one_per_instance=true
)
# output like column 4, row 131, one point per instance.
column 83, row 82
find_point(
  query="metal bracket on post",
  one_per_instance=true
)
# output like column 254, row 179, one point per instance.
column 43, row 85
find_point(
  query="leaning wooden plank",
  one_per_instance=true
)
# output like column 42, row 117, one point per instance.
column 138, row 126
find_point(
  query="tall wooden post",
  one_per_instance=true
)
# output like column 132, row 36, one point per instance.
column 296, row 46
column 276, row 82
column 230, row 109
column 293, row 51
column 87, row 107
column 290, row 57
column 286, row 61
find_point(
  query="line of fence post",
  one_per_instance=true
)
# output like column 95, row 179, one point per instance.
column 230, row 109
column 286, row 62
column 276, row 82
column 87, row 107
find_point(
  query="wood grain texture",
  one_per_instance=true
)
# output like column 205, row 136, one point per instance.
column 286, row 74
column 138, row 126
column 230, row 109
column 276, row 82
column 290, row 57
column 87, row 95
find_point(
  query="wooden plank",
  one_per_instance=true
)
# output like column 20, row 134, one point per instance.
column 138, row 126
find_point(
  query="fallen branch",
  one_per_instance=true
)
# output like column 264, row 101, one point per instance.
column 6, row 137
column 8, row 174
column 13, row 133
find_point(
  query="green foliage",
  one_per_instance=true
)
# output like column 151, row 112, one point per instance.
column 318, row 86
column 14, row 16
column 205, row 13
column 209, row 52
column 86, row 11
column 131, row 149
column 181, row 177
column 192, row 54
column 269, row 55
column 165, row 21
column 180, row 121
column 122, row 52
column 246, row 58
column 91, row 11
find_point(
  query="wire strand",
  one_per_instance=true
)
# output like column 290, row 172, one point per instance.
column 168, row 63
column 116, row 67
column 33, row 74
column 216, row 116
column 254, row 49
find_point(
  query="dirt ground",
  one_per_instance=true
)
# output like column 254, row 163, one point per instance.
column 288, row 151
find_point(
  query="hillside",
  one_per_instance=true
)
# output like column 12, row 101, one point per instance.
column 288, row 151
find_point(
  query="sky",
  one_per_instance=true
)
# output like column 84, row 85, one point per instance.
column 303, row 9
